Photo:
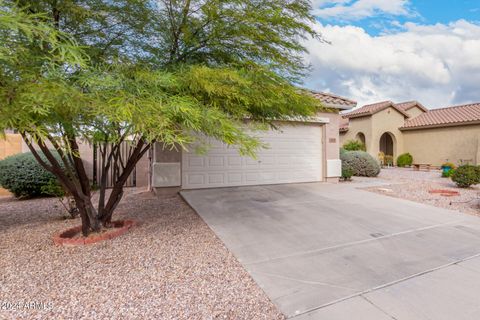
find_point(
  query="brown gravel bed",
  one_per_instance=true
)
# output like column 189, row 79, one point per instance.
column 170, row 266
column 415, row 186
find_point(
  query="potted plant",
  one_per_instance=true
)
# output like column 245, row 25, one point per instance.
column 447, row 168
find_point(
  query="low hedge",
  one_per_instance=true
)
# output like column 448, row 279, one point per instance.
column 23, row 176
column 360, row 163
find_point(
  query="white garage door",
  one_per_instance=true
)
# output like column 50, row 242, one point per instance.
column 294, row 155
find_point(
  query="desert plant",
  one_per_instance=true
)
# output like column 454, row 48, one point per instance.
column 388, row 160
column 354, row 145
column 361, row 163
column 23, row 176
column 466, row 176
column 347, row 174
column 404, row 160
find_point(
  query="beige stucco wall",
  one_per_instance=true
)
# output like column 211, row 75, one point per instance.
column 373, row 127
column 332, row 139
column 388, row 120
column 357, row 125
column 10, row 145
column 437, row 145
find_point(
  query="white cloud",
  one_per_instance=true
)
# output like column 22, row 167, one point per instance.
column 438, row 65
column 352, row 10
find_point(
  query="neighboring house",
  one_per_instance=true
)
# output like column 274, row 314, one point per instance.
column 9, row 145
column 431, row 136
column 297, row 152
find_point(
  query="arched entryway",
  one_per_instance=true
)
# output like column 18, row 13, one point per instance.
column 387, row 144
column 360, row 137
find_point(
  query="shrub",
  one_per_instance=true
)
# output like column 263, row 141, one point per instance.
column 361, row 163
column 388, row 160
column 448, row 173
column 404, row 159
column 23, row 176
column 466, row 176
column 347, row 174
column 354, row 145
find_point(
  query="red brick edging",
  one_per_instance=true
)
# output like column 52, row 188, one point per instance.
column 445, row 192
column 66, row 238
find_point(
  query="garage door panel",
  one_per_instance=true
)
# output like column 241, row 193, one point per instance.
column 293, row 155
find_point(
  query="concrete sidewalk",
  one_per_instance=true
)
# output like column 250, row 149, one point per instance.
column 324, row 251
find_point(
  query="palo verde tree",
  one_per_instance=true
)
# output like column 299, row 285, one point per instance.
column 72, row 73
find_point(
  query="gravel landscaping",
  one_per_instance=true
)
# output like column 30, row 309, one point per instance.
column 170, row 266
column 415, row 185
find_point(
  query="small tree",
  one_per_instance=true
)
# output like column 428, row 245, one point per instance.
column 57, row 96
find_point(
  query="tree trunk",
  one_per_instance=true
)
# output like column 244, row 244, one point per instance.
column 88, row 214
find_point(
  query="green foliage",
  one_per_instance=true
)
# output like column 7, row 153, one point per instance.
column 354, row 145
column 361, row 163
column 23, row 176
column 347, row 174
column 53, row 188
column 235, row 32
column 404, row 160
column 466, row 176
column 448, row 173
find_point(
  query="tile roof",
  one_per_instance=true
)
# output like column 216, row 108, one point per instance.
column 405, row 106
column 343, row 125
column 371, row 109
column 331, row 100
column 451, row 116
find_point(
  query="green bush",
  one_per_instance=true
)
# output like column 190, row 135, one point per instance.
column 405, row 159
column 347, row 174
column 466, row 176
column 448, row 174
column 354, row 145
column 360, row 163
column 23, row 176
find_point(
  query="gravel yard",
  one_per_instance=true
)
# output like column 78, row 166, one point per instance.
column 171, row 266
column 415, row 185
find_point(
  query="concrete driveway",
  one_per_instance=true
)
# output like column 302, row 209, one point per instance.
column 324, row 251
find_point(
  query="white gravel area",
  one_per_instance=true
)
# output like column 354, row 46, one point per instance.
column 170, row 266
column 415, row 185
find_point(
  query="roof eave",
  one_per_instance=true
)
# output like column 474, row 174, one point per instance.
column 440, row 125
column 339, row 106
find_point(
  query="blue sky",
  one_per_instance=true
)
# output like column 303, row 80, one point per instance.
column 398, row 50
column 419, row 11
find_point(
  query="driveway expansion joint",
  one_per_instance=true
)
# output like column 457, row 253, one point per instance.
column 389, row 284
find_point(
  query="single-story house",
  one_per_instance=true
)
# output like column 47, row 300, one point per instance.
column 305, row 151
column 431, row 136
column 300, row 151
column 10, row 144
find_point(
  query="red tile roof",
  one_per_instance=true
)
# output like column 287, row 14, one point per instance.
column 405, row 106
column 371, row 109
column 331, row 100
column 343, row 125
column 451, row 116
